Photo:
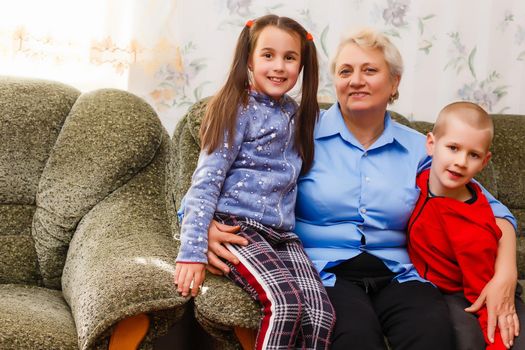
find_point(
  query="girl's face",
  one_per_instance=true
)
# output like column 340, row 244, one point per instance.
column 362, row 80
column 275, row 62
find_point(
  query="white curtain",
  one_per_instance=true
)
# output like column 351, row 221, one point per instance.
column 173, row 52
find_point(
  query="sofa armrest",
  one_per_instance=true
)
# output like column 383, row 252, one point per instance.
column 122, row 256
column 108, row 137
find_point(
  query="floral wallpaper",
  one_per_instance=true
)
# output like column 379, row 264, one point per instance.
column 174, row 52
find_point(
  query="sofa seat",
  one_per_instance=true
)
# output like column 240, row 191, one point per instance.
column 35, row 318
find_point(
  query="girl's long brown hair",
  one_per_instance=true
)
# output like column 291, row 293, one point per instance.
column 221, row 112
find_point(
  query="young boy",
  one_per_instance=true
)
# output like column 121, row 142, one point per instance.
column 452, row 233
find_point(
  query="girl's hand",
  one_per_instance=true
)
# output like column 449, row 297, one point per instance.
column 189, row 276
column 218, row 234
column 498, row 295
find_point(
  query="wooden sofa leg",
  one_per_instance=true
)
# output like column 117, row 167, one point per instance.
column 129, row 332
column 246, row 337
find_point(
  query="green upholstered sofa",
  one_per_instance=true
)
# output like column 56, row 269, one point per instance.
column 224, row 306
column 85, row 221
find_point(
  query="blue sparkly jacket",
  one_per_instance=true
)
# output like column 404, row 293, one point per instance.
column 255, row 177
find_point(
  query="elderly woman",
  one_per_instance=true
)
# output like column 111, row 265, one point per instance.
column 352, row 210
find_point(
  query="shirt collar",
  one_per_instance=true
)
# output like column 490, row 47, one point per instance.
column 332, row 123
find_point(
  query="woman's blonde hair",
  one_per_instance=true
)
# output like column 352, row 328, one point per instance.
column 373, row 39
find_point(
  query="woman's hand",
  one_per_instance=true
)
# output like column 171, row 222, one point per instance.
column 218, row 234
column 498, row 295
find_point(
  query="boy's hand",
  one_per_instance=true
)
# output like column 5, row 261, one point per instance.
column 189, row 276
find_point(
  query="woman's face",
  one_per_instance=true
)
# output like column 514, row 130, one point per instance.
column 362, row 80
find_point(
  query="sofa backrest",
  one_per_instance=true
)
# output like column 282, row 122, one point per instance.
column 509, row 163
column 31, row 116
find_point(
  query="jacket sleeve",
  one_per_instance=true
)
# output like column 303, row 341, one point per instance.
column 201, row 200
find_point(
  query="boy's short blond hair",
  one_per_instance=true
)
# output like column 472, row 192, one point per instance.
column 468, row 112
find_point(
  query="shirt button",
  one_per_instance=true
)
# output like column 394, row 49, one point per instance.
column 367, row 179
column 365, row 154
column 363, row 210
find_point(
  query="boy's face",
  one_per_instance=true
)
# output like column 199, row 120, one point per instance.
column 458, row 154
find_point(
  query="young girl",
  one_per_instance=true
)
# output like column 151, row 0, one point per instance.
column 254, row 140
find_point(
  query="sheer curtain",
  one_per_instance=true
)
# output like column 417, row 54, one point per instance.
column 174, row 52
column 84, row 43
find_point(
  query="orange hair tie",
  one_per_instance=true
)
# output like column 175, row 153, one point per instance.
column 249, row 23
column 309, row 37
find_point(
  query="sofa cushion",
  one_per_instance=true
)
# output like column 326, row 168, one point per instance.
column 15, row 219
column 18, row 262
column 35, row 318
column 31, row 115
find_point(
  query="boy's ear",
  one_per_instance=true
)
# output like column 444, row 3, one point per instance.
column 431, row 142
column 486, row 159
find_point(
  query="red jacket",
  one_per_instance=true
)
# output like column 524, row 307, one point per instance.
column 453, row 244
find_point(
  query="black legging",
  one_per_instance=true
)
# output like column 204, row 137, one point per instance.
column 412, row 315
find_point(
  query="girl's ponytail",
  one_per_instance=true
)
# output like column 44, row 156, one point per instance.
column 308, row 111
column 221, row 111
